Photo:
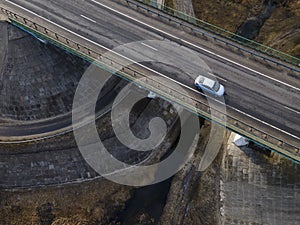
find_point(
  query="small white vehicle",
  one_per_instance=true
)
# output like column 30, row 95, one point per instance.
column 208, row 85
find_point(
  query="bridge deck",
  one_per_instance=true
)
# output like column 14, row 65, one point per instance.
column 262, row 99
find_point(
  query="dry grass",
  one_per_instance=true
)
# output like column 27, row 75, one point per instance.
column 281, row 31
column 227, row 14
column 93, row 202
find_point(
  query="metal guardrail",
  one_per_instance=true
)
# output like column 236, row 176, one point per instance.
column 129, row 73
column 219, row 32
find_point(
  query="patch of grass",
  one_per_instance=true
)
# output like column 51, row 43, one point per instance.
column 169, row 3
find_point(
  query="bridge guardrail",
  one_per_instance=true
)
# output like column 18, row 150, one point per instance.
column 200, row 107
column 219, row 32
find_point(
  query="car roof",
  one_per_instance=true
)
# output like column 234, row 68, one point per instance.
column 200, row 79
column 206, row 81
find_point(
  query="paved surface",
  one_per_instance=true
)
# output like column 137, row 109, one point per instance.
column 37, row 81
column 58, row 160
column 4, row 42
column 272, row 97
column 256, row 189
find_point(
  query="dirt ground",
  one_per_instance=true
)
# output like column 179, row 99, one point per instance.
column 92, row 202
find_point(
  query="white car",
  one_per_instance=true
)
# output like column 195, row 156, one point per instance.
column 208, row 85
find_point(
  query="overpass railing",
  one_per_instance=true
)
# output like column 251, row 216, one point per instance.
column 219, row 32
column 196, row 105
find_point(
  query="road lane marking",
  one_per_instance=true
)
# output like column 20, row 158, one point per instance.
column 149, row 46
column 293, row 110
column 203, row 49
column 221, row 79
column 217, row 77
column 263, row 122
column 188, row 87
column 107, row 49
column 87, row 18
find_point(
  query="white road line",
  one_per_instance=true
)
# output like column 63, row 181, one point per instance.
column 149, row 46
column 87, row 18
column 221, row 79
column 218, row 77
column 107, row 49
column 188, row 87
column 276, row 128
column 203, row 49
column 293, row 110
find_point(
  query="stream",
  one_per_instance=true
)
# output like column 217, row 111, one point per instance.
column 251, row 27
column 146, row 205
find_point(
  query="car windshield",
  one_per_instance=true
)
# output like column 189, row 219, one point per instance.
column 216, row 86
